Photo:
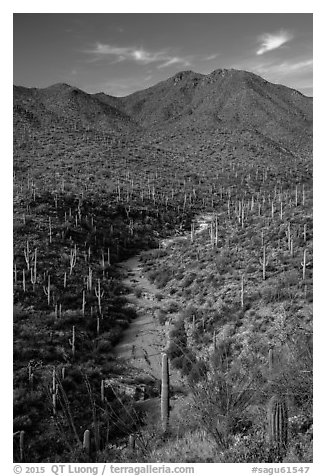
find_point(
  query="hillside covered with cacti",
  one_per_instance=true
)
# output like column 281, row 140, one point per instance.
column 98, row 180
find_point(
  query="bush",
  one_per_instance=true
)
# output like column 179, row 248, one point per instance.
column 222, row 401
column 138, row 292
column 171, row 307
column 162, row 316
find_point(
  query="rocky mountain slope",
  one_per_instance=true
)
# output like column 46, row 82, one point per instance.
column 68, row 107
column 223, row 102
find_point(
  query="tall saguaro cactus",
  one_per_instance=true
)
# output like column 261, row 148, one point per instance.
column 34, row 270
column 47, row 290
column 271, row 361
column 21, row 445
column 132, row 443
column 192, row 234
column 54, row 392
column 72, row 342
column 27, row 255
column 278, row 424
column 165, row 393
column 264, row 262
column 73, row 259
column 304, row 265
column 87, row 442
column 99, row 294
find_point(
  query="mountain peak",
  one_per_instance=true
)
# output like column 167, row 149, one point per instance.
column 234, row 100
column 59, row 86
column 186, row 75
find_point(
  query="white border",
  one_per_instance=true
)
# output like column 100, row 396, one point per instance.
column 168, row 6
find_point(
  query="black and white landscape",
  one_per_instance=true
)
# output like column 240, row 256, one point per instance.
column 163, row 253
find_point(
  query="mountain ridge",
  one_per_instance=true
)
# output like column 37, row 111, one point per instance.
column 226, row 99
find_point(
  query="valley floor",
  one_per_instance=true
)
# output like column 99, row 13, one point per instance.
column 145, row 339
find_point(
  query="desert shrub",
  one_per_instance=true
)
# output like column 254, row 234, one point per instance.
column 188, row 280
column 171, row 307
column 159, row 296
column 288, row 278
column 254, row 447
column 138, row 292
column 103, row 346
column 197, row 372
column 161, row 277
column 249, row 448
column 178, row 340
column 162, row 316
column 19, row 312
column 271, row 293
column 222, row 401
column 295, row 376
column 223, row 261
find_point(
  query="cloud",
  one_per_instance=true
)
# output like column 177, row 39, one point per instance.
column 272, row 41
column 174, row 60
column 210, row 57
column 299, row 66
column 138, row 55
column 285, row 68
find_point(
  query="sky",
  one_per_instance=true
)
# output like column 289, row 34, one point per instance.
column 122, row 53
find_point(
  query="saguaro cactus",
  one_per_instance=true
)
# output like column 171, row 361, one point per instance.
column 304, row 265
column 72, row 341
column 102, row 391
column 54, row 392
column 30, row 375
column 216, row 231
column 288, row 235
column 50, row 230
column 278, row 424
column 47, row 290
column 73, row 259
column 21, row 445
column 83, row 303
column 34, row 270
column 304, row 232
column 99, row 294
column 165, row 397
column 27, row 255
column 87, row 442
column 192, row 233
column 271, row 361
column 132, row 442
column 264, row 262
column 89, row 279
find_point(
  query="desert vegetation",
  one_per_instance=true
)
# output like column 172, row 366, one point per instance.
column 237, row 296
